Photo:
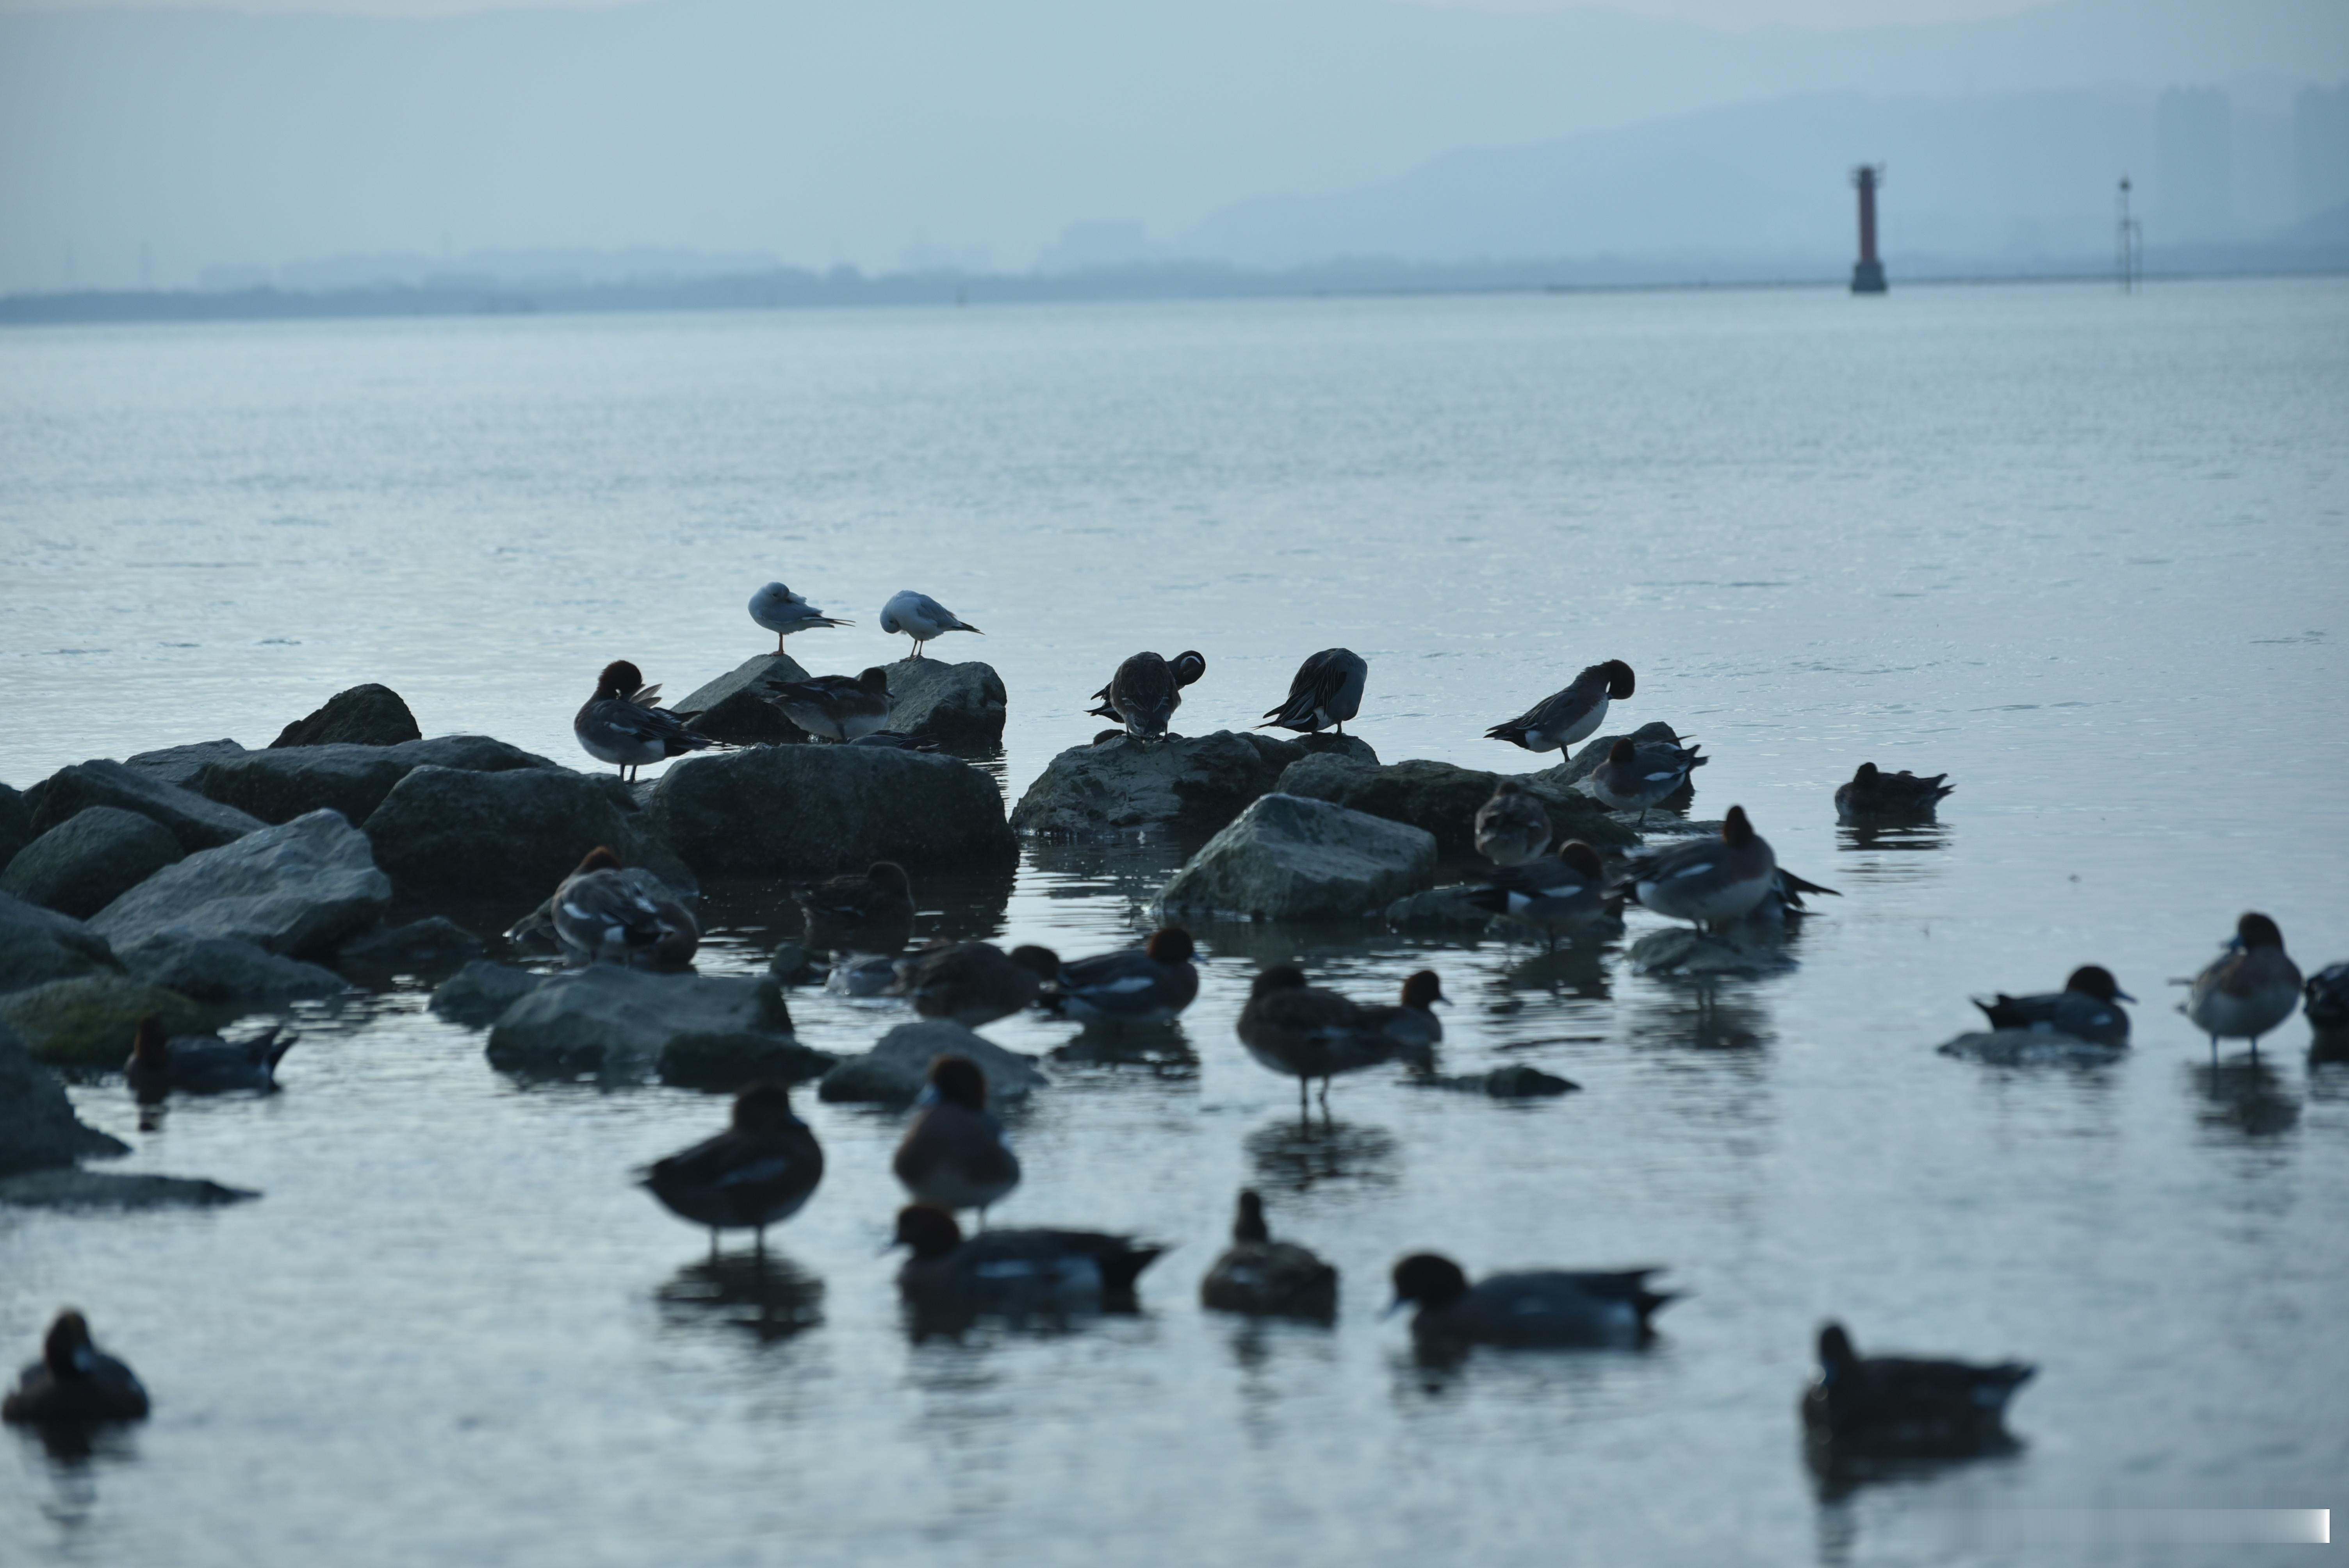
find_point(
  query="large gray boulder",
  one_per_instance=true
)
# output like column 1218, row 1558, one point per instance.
column 478, row 995
column 1288, row 858
column 16, row 824
column 38, row 945
column 433, row 945
column 278, row 786
column 895, row 1071
column 298, row 888
column 89, row 859
column 1442, row 800
column 959, row 706
column 739, row 707
column 180, row 765
column 443, row 832
column 196, row 823
column 87, row 1022
column 807, row 810
column 1185, row 784
column 367, row 715
column 624, row 1025
column 229, row 970
column 38, row 1128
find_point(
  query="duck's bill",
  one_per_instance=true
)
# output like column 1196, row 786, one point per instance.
column 1397, row 1305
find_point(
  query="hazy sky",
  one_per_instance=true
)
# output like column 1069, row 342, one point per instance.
column 1728, row 13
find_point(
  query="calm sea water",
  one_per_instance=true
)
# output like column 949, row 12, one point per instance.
column 2085, row 552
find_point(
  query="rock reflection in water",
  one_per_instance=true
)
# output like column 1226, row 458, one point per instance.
column 1298, row 1156
column 771, row 1296
column 2245, row 1099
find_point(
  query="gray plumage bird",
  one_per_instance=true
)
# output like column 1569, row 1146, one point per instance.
column 1326, row 693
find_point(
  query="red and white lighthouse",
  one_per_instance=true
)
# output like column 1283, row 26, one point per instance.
column 1867, row 277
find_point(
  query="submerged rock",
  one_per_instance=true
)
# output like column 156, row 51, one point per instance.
column 87, row 1022
column 38, row 1128
column 421, row 946
column 16, row 824
column 1683, row 950
column 812, row 810
column 1442, row 800
column 1438, row 909
column 2030, row 1047
column 225, row 969
column 626, row 1026
column 89, row 859
column 1516, row 1081
column 116, row 1190
column 957, row 706
column 478, row 995
column 368, row 714
column 510, row 835
column 278, row 786
column 1192, row 784
column 181, row 764
column 1287, row 858
column 895, row 1071
column 197, row 823
column 298, row 888
column 38, row 945
column 739, row 707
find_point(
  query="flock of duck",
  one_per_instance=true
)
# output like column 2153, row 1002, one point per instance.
column 953, row 1157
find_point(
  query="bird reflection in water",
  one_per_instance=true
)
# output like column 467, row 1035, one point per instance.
column 1162, row 1048
column 1578, row 971
column 767, row 1295
column 1901, row 836
column 1697, row 1015
column 1296, row 1156
column 2244, row 1098
column 1838, row 1479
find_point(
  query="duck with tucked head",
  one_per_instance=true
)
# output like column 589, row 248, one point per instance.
column 871, row 911
column 1327, row 692
column 837, row 707
column 953, row 1156
column 2087, row 1009
column 1510, row 828
column 976, row 983
column 1640, row 775
column 1873, row 795
column 1900, row 1406
column 1562, row 718
column 920, row 617
column 760, row 1172
column 1014, row 1271
column 1147, row 985
column 1146, row 690
column 203, row 1064
column 1309, row 1033
column 1558, row 894
column 1712, row 883
column 2249, row 989
column 1266, row 1278
column 783, row 611
column 74, row 1380
column 620, row 725
column 1539, row 1306
column 605, row 913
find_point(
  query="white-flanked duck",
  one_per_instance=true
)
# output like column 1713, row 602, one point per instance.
column 203, row 1064
column 1146, row 690
column 1326, row 693
column 1873, row 795
column 1557, row 893
column 1537, row 1306
column 1147, row 985
column 604, row 913
column 73, row 1381
column 1014, row 1271
column 976, row 983
column 2249, row 989
column 2087, row 1009
column 1411, row 1025
column 1639, row 775
column 1710, row 883
column 783, row 611
column 869, row 913
column 838, row 708
column 1266, row 1278
column 760, row 1172
column 1308, row 1032
column 920, row 617
column 1562, row 718
column 1510, row 828
column 953, row 1156
column 1900, row 1406
column 619, row 725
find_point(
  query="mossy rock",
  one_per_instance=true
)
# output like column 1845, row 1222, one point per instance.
column 87, row 1021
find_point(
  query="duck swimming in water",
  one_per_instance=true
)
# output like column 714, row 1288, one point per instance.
column 1900, row 1406
column 619, row 725
column 1014, row 1271
column 1873, row 795
column 1562, row 718
column 1147, row 985
column 203, row 1064
column 2087, row 1009
column 1535, row 1306
column 1558, row 894
column 869, row 913
column 976, row 983
column 74, row 1380
column 1266, row 1278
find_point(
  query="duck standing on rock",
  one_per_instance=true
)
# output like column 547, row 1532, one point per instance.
column 1146, row 690
column 838, row 708
column 1712, row 884
column 1640, row 775
column 73, row 1381
column 1894, row 1406
column 1560, row 893
column 920, row 617
column 1872, row 795
column 1562, row 718
column 1510, row 828
column 1266, row 1278
column 619, row 725
column 203, row 1064
column 606, row 915
column 976, row 983
column 783, row 611
column 2086, row 1008
column 1147, row 985
column 760, row 1172
column 2248, row 990
column 1327, row 691
column 954, row 1155
column 1308, row 1032
column 1538, row 1306
column 868, row 913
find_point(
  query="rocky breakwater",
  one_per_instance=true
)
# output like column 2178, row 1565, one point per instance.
column 1442, row 800
column 739, row 707
column 1184, row 784
column 89, row 859
column 196, row 823
column 38, row 945
column 504, row 838
column 624, row 1025
column 810, row 810
column 1289, row 857
column 355, row 779
column 368, row 714
column 960, row 706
